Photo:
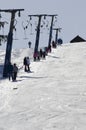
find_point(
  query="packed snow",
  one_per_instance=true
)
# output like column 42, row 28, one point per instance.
column 51, row 97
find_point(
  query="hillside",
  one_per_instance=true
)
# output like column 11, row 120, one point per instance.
column 51, row 97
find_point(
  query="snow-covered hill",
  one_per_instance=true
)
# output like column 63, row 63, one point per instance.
column 52, row 97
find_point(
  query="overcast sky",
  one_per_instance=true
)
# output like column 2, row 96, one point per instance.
column 71, row 13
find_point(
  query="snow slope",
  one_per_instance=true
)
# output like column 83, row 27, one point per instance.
column 51, row 97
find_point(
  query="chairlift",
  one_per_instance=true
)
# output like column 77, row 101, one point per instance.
column 15, row 33
column 3, row 38
column 14, row 28
column 41, row 26
column 2, row 25
column 31, row 29
column 25, row 27
column 55, row 21
column 47, row 24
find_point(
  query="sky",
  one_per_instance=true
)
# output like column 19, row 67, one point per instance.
column 51, row 97
column 71, row 17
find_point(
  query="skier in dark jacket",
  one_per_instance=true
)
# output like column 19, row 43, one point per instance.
column 29, row 43
column 25, row 64
column 15, row 71
column 28, row 63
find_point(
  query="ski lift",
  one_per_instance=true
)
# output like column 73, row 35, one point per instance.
column 55, row 21
column 2, row 26
column 15, row 37
column 3, row 38
column 47, row 24
column 41, row 26
column 25, row 27
column 14, row 28
column 31, row 29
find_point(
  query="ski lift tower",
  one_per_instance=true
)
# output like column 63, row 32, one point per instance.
column 38, row 31
column 56, row 36
column 51, row 28
column 9, row 39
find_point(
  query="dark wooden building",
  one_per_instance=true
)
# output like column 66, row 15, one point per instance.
column 77, row 39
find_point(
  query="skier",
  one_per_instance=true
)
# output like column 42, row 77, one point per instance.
column 15, row 71
column 41, row 53
column 28, row 63
column 49, row 48
column 29, row 43
column 25, row 63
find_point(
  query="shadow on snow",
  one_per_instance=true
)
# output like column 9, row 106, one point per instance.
column 54, row 56
column 31, row 77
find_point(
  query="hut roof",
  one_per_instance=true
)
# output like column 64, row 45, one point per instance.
column 77, row 39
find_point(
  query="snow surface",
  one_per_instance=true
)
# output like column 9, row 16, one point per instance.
column 51, row 97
